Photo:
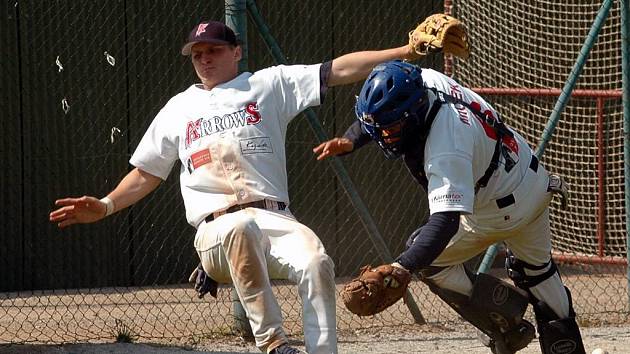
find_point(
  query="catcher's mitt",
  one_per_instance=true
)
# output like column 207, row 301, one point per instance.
column 375, row 289
column 440, row 32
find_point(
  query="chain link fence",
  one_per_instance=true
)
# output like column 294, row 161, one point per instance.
column 81, row 82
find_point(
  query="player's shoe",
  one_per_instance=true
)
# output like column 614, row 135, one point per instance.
column 510, row 342
column 286, row 349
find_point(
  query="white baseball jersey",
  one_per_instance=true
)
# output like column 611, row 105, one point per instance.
column 459, row 149
column 231, row 139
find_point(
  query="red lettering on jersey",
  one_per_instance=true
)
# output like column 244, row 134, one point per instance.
column 193, row 131
column 462, row 112
column 253, row 116
column 508, row 141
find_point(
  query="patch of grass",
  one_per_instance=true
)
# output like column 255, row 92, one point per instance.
column 123, row 332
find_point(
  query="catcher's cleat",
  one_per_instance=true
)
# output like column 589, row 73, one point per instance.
column 286, row 349
column 510, row 342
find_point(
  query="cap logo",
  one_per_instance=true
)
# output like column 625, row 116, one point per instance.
column 201, row 29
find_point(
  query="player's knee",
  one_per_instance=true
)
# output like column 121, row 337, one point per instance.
column 456, row 278
column 320, row 263
column 245, row 229
column 518, row 269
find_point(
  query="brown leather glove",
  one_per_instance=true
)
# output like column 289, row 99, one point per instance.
column 375, row 289
column 440, row 32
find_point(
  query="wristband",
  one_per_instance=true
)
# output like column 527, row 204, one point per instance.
column 109, row 206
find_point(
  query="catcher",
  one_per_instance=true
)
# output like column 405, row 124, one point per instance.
column 484, row 185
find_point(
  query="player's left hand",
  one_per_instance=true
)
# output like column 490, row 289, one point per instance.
column 203, row 283
column 81, row 210
column 333, row 147
column 437, row 33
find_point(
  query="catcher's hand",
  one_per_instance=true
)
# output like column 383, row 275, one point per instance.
column 333, row 147
column 375, row 289
column 440, row 32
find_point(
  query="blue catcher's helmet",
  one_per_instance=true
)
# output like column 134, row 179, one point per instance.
column 392, row 106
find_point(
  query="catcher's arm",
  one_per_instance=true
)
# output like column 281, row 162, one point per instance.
column 375, row 289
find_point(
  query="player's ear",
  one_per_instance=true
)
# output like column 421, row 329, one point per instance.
column 238, row 53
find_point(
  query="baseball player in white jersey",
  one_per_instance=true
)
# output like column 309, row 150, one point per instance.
column 484, row 185
column 229, row 134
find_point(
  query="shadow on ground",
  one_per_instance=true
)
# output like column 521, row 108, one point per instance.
column 108, row 348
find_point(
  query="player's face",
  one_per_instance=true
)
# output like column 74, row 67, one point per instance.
column 215, row 64
column 392, row 133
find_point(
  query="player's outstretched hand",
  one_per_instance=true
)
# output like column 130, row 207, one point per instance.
column 333, row 147
column 81, row 210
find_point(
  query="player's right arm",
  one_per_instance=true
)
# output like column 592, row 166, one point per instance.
column 333, row 147
column 87, row 209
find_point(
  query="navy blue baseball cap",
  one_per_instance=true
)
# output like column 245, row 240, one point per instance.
column 209, row 32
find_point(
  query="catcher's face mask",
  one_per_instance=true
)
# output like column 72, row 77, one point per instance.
column 392, row 105
column 393, row 138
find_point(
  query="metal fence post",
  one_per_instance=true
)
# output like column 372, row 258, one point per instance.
column 236, row 19
column 625, row 73
column 338, row 167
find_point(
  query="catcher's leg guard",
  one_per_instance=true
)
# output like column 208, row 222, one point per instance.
column 496, row 308
column 556, row 335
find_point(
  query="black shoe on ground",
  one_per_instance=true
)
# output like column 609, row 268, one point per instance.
column 286, row 349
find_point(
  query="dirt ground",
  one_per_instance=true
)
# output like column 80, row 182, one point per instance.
column 415, row 339
column 172, row 320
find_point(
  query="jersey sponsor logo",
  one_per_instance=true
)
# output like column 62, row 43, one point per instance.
column 256, row 145
column 195, row 130
column 200, row 158
column 197, row 160
column 448, row 198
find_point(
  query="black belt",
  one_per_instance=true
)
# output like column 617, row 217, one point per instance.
column 509, row 199
column 260, row 204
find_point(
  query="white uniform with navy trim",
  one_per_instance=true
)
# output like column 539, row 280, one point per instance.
column 231, row 143
column 457, row 153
